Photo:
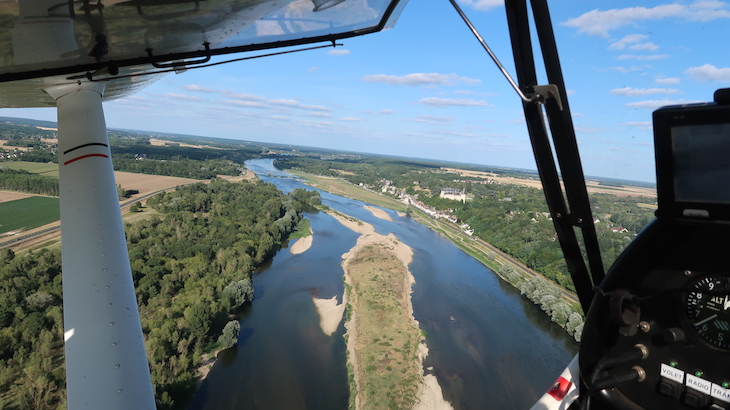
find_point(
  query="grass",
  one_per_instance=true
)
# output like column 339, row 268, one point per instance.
column 28, row 213
column 50, row 170
column 343, row 188
column 302, row 230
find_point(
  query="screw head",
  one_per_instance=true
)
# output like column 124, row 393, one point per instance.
column 644, row 326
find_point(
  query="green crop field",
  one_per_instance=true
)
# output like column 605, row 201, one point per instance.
column 28, row 213
column 50, row 170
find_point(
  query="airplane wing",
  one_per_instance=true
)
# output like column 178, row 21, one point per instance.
column 57, row 41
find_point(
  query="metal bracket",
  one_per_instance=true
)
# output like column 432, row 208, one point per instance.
column 181, row 64
column 570, row 219
column 543, row 92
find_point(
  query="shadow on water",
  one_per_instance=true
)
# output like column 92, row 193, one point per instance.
column 489, row 347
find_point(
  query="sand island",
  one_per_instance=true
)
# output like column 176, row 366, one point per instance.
column 302, row 244
column 384, row 343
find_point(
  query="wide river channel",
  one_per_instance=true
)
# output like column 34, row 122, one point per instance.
column 489, row 347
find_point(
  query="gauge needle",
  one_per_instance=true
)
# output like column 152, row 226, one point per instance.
column 703, row 321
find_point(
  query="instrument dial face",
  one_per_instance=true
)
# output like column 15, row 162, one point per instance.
column 707, row 307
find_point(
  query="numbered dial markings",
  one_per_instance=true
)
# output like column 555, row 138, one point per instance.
column 708, row 310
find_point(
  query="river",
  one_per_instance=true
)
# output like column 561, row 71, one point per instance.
column 489, row 347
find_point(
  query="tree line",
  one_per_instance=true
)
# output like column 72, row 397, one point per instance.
column 184, row 168
column 191, row 267
column 24, row 181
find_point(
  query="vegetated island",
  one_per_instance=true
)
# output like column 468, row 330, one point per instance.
column 385, row 349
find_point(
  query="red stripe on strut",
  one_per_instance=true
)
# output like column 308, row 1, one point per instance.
column 560, row 389
column 85, row 156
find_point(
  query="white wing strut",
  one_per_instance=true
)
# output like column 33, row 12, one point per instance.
column 106, row 364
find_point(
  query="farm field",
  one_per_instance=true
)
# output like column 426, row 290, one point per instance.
column 591, row 185
column 147, row 184
column 41, row 168
column 143, row 183
column 7, row 196
column 28, row 213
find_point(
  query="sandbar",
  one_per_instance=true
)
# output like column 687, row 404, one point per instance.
column 379, row 213
column 363, row 228
column 302, row 244
column 330, row 313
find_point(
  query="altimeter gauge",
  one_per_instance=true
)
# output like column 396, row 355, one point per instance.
column 707, row 306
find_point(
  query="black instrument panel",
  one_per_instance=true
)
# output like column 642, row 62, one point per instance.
column 677, row 280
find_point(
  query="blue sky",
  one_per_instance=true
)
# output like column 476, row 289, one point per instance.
column 427, row 89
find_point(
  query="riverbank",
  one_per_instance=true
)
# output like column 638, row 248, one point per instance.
column 384, row 342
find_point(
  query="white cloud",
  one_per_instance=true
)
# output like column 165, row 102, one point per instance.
column 599, row 23
column 245, row 97
column 632, row 92
column 254, row 101
column 709, row 72
column 317, row 124
column 667, row 80
column 654, row 104
column 644, row 47
column 629, row 39
column 632, row 69
column 319, row 114
column 453, row 134
column 416, row 79
column 482, row 5
column 182, row 97
column 338, row 52
column 194, row 87
column 642, row 125
column 251, row 104
column 296, row 104
column 350, row 119
column 387, row 111
column 431, row 119
column 451, row 102
column 651, row 57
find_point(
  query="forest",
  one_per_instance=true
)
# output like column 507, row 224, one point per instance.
column 191, row 266
column 24, row 181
